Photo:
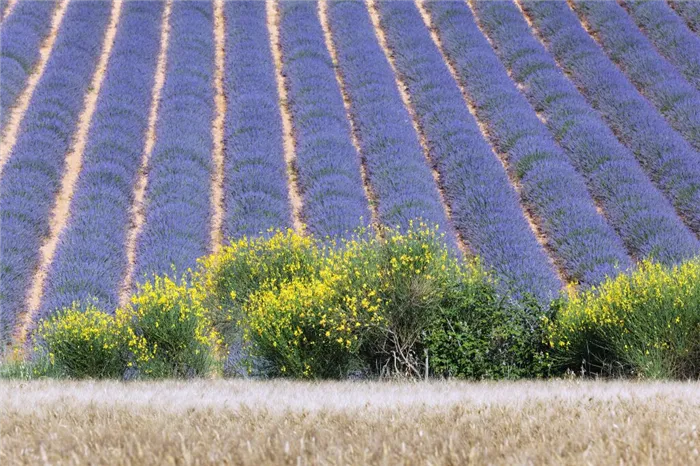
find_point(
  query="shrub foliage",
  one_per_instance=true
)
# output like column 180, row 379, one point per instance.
column 645, row 323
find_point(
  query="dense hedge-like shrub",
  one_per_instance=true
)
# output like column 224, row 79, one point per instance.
column 375, row 305
column 164, row 332
column 645, row 323
column 481, row 336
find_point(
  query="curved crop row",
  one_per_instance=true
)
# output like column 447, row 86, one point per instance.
column 671, row 162
column 642, row 216
column 656, row 79
column 178, row 207
column 585, row 245
column 21, row 36
column 90, row 258
column 327, row 163
column 32, row 177
column 256, row 195
column 396, row 165
column 689, row 10
column 670, row 36
column 484, row 205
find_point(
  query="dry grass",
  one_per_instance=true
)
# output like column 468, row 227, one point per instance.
column 244, row 422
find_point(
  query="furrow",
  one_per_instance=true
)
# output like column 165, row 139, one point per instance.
column 273, row 26
column 19, row 84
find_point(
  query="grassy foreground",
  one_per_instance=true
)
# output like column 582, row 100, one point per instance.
column 249, row 422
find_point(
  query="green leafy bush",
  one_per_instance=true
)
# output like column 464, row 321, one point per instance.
column 376, row 304
column 645, row 323
column 482, row 336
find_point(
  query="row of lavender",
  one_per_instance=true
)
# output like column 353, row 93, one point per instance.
column 689, row 10
column 654, row 77
column 396, row 167
column 643, row 218
column 21, row 34
column 256, row 194
column 90, row 259
column 327, row 163
column 32, row 176
column 670, row 35
column 669, row 159
column 178, row 211
column 585, row 244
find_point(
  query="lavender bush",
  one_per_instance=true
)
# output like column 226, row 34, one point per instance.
column 178, row 208
column 328, row 165
column 642, row 216
column 586, row 247
column 256, row 195
column 689, row 10
column 670, row 36
column 670, row 161
column 484, row 205
column 91, row 258
column 32, row 176
column 658, row 80
column 21, row 35
column 396, row 165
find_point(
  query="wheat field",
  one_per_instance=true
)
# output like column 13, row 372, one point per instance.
column 276, row 422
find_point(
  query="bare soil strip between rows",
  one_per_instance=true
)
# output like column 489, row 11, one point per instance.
column 381, row 38
column 73, row 165
column 8, row 9
column 530, row 217
column 287, row 127
column 328, row 36
column 138, row 208
column 217, row 181
column 9, row 138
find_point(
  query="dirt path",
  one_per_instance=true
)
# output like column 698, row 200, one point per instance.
column 8, row 9
column 217, row 180
column 406, row 98
column 289, row 142
column 328, row 36
column 9, row 137
column 138, row 208
column 73, row 164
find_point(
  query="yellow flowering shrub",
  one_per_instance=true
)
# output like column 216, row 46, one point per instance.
column 366, row 304
column 646, row 323
column 83, row 341
column 227, row 279
column 180, row 340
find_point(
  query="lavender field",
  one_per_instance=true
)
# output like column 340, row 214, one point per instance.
column 559, row 141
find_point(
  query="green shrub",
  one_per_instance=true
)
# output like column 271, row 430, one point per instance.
column 171, row 320
column 645, row 323
column 377, row 304
column 482, row 336
column 84, row 342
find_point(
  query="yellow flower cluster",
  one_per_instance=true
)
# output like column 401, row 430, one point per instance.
column 173, row 306
column 82, row 336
